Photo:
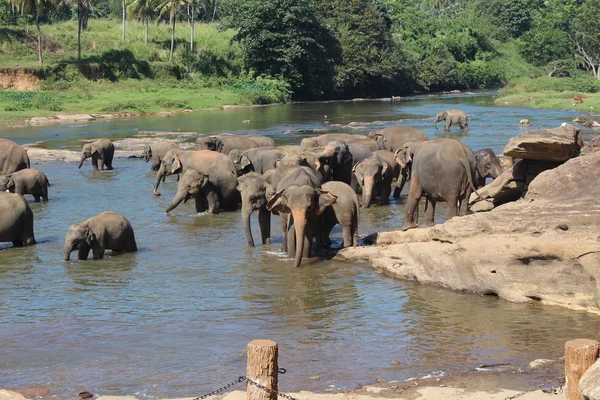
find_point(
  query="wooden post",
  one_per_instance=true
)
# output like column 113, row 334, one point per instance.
column 262, row 368
column 580, row 354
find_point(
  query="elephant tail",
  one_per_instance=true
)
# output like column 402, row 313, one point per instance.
column 48, row 183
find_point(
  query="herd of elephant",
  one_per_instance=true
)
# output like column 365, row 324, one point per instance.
column 312, row 186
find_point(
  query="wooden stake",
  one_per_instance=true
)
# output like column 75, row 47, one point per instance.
column 580, row 354
column 262, row 368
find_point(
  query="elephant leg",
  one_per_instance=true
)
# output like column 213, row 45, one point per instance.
column 264, row 221
column 83, row 251
column 17, row 243
column 463, row 203
column 98, row 252
column 448, row 125
column 411, row 207
column 291, row 237
column 37, row 198
column 200, row 203
column 466, row 127
column 452, row 211
column 429, row 211
column 95, row 161
column 45, row 194
column 108, row 159
column 284, row 232
column 399, row 186
column 386, row 189
column 213, row 202
column 347, row 234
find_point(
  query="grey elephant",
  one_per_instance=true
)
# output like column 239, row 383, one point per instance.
column 225, row 143
column 221, row 191
column 341, row 158
column 374, row 176
column 452, row 117
column 13, row 157
column 105, row 231
column 257, row 160
column 299, row 195
column 316, row 142
column 156, row 151
column 394, row 137
column 254, row 192
column 345, row 212
column 16, row 224
column 193, row 185
column 26, row 181
column 443, row 169
column 488, row 166
column 101, row 151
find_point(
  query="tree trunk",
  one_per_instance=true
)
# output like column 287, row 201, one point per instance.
column 124, row 15
column 146, row 35
column 192, row 28
column 39, row 36
column 79, row 30
column 215, row 10
column 172, row 37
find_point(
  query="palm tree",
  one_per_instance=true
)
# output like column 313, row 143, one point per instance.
column 84, row 9
column 35, row 8
column 124, row 16
column 171, row 7
column 144, row 9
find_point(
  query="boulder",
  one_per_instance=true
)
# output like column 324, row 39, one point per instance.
column 545, row 247
column 554, row 144
column 592, row 146
column 587, row 121
column 589, row 384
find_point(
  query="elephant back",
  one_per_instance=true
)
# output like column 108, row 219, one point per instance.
column 13, row 157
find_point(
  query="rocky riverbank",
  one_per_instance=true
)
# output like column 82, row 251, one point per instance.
column 544, row 247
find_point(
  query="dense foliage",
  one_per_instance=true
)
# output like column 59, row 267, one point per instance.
column 346, row 48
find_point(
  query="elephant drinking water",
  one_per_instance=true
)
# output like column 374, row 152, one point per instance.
column 101, row 151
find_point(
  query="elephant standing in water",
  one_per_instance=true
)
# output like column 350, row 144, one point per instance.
column 225, row 143
column 101, row 151
column 374, row 175
column 254, row 191
column 300, row 196
column 157, row 151
column 345, row 212
column 107, row 230
column 443, row 169
column 26, row 181
column 16, row 224
column 13, row 157
column 452, row 117
column 193, row 185
column 394, row 137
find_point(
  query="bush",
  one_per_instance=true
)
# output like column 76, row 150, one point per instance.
column 581, row 84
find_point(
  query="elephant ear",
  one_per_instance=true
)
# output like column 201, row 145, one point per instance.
column 384, row 168
column 404, row 156
column 326, row 199
column 89, row 236
column 278, row 203
column 269, row 191
column 93, row 150
column 218, row 145
column 379, row 138
column 355, row 165
column 10, row 183
column 176, row 165
column 245, row 161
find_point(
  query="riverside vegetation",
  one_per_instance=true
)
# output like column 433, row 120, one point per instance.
column 151, row 55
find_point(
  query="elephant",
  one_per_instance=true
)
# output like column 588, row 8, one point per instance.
column 374, row 175
column 390, row 159
column 26, row 181
column 300, row 196
column 488, row 166
column 341, row 158
column 254, row 191
column 443, row 169
column 259, row 159
column 13, row 157
column 221, row 191
column 107, row 230
column 193, row 184
column 16, row 224
column 225, row 143
column 316, row 142
column 345, row 212
column 394, row 137
column 101, row 151
column 452, row 117
column 157, row 151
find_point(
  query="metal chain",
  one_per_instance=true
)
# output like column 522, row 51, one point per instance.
column 553, row 389
column 245, row 378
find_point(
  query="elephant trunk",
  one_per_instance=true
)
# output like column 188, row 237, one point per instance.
column 299, row 215
column 82, row 160
column 69, row 247
column 328, row 152
column 367, row 191
column 246, row 212
column 435, row 121
column 162, row 172
column 179, row 197
column 147, row 155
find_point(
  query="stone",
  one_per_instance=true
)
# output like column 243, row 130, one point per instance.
column 592, row 146
column 589, row 384
column 540, row 362
column 555, row 144
column 482, row 206
column 514, row 251
column 586, row 121
column 524, row 122
column 9, row 395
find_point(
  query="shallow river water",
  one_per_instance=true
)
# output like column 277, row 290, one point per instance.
column 174, row 319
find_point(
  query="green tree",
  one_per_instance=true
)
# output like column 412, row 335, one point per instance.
column 586, row 35
column 34, row 8
column 144, row 10
column 285, row 38
column 170, row 7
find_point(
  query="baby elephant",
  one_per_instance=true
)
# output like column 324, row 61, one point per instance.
column 107, row 230
column 101, row 151
column 26, row 181
column 345, row 212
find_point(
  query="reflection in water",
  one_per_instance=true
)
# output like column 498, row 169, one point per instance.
column 174, row 319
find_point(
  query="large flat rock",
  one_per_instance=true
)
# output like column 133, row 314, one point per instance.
column 545, row 247
column 589, row 384
column 555, row 144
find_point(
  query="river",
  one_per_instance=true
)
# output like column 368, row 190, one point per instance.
column 174, row 319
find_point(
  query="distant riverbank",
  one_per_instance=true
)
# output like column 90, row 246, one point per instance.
column 552, row 100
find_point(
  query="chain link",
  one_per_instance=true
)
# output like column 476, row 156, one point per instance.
column 250, row 381
column 560, row 382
